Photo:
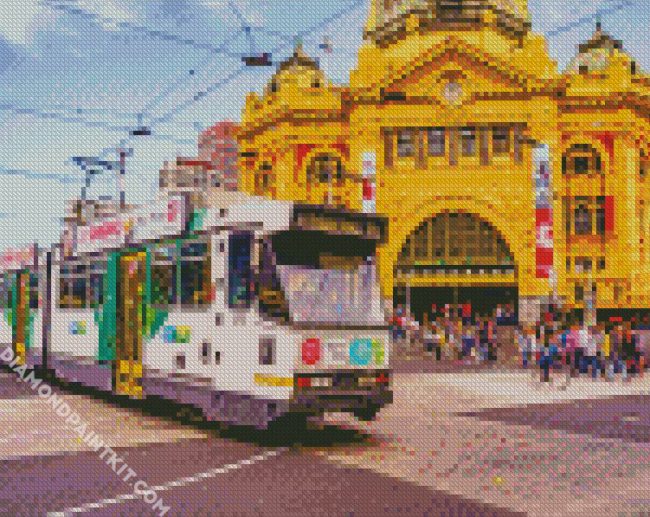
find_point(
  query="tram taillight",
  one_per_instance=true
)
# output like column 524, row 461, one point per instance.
column 303, row 382
column 382, row 378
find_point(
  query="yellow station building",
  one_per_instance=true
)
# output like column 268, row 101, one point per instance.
column 457, row 109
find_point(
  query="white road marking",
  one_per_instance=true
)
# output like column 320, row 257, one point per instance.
column 258, row 458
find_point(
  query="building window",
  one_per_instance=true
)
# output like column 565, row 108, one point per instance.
column 436, row 141
column 579, row 293
column 325, row 169
column 618, row 293
column 582, row 219
column 501, row 140
column 601, row 216
column 581, row 159
column 405, row 143
column 468, row 141
column 589, row 216
column 583, row 265
column 263, row 179
column 643, row 165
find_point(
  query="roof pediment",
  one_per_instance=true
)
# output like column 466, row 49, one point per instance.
column 454, row 55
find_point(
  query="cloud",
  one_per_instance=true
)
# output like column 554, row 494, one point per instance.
column 109, row 12
column 19, row 19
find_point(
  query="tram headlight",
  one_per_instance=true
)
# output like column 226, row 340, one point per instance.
column 311, row 351
column 321, row 382
column 365, row 382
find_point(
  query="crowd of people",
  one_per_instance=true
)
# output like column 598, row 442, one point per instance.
column 554, row 344
column 455, row 333
column 601, row 350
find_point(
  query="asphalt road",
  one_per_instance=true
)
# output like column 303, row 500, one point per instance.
column 232, row 472
column 453, row 443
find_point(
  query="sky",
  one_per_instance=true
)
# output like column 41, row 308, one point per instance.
column 75, row 75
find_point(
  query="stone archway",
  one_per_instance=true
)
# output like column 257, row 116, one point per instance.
column 455, row 258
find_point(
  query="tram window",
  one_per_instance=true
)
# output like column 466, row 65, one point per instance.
column 33, row 291
column 72, row 286
column 205, row 353
column 195, row 274
column 97, row 272
column 240, row 273
column 163, row 274
column 267, row 351
column 5, row 297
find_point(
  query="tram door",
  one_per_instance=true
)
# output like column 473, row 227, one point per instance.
column 128, row 346
column 20, row 316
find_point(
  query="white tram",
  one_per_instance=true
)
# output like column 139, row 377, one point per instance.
column 23, row 297
column 248, row 310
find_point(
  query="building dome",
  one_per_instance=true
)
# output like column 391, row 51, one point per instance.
column 390, row 16
column 299, row 69
column 596, row 54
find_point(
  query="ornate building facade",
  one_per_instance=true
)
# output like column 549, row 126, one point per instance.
column 505, row 180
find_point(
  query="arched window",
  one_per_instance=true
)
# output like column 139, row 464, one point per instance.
column 263, row 179
column 581, row 159
column 456, row 239
column 324, row 169
column 644, row 164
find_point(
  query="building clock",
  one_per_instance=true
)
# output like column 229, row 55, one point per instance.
column 453, row 93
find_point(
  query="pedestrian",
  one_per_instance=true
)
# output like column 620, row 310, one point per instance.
column 439, row 338
column 582, row 335
column 483, row 339
column 607, row 363
column 628, row 351
column 522, row 342
column 591, row 352
column 616, row 345
column 548, row 355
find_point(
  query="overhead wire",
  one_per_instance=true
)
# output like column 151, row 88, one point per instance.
column 603, row 11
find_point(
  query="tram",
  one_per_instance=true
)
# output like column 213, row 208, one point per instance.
column 21, row 302
column 247, row 309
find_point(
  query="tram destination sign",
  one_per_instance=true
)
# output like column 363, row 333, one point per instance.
column 337, row 222
column 163, row 218
column 17, row 258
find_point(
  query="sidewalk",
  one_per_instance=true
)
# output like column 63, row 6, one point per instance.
column 455, row 441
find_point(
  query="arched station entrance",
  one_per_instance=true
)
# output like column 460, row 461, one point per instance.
column 456, row 259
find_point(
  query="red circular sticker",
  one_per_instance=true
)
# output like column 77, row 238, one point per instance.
column 311, row 351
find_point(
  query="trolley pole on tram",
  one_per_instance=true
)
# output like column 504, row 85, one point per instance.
column 124, row 153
